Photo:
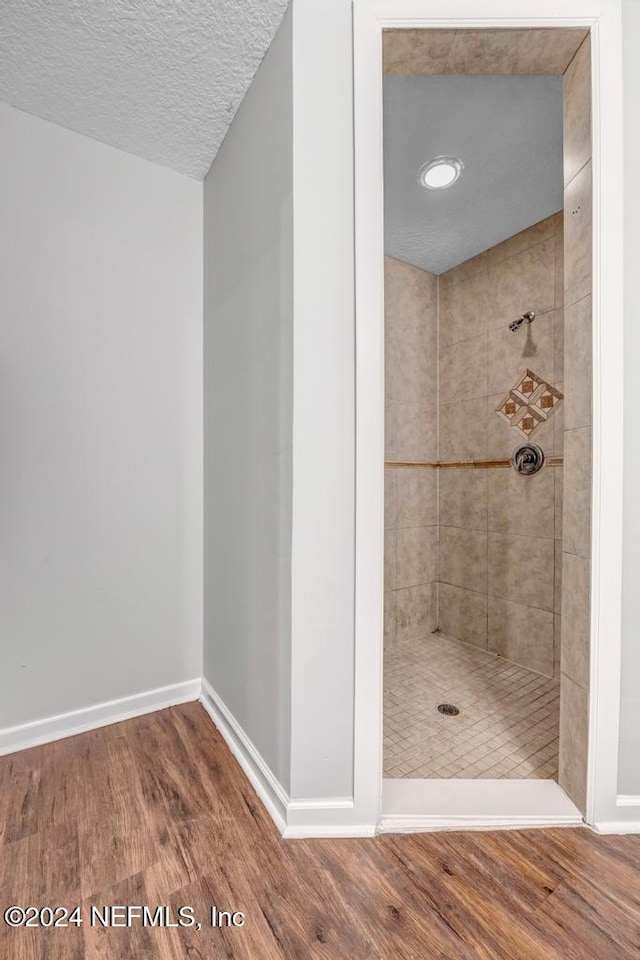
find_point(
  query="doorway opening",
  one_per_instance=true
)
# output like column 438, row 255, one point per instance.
column 487, row 324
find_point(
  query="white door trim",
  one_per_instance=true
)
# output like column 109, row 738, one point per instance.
column 603, row 17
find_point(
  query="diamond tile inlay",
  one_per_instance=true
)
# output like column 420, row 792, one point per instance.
column 529, row 403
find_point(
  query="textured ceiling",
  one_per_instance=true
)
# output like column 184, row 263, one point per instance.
column 507, row 130
column 158, row 78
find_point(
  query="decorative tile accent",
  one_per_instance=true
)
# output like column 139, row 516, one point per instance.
column 507, row 726
column 529, row 403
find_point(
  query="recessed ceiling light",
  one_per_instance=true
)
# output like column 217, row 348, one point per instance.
column 440, row 172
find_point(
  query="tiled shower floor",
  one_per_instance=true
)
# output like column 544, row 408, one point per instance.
column 508, row 720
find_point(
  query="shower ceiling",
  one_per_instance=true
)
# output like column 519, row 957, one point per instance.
column 507, row 130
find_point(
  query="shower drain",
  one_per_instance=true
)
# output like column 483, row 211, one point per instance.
column 448, row 709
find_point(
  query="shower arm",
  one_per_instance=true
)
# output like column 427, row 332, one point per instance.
column 527, row 317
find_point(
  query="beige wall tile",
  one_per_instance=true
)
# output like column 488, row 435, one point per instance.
column 390, row 497
column 514, row 566
column 390, row 559
column 559, row 296
column 522, row 634
column 522, row 506
column 463, row 498
column 389, row 618
column 410, row 299
column 578, row 378
column 577, row 236
column 473, row 51
column 557, row 644
column 523, row 282
column 416, row 431
column 577, row 111
column 544, row 51
column 410, row 368
column 576, row 616
column 558, row 473
column 464, row 305
column 411, row 332
column 574, row 731
column 502, row 439
column 417, row 555
column 533, row 51
column 416, row 614
column 530, row 51
column 417, row 497
column 558, row 346
column 521, row 569
column 576, row 513
column 463, row 370
column 468, row 268
column 555, row 445
column 462, row 614
column 508, row 354
column 543, row 230
column 463, row 558
column 463, row 430
column 389, row 429
column 416, row 51
column 557, row 565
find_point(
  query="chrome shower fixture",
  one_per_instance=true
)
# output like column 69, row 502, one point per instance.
column 527, row 317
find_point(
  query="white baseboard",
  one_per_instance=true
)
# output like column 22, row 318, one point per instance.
column 618, row 826
column 408, row 805
column 629, row 818
column 257, row 771
column 327, row 831
column 627, row 800
column 323, row 817
column 63, row 725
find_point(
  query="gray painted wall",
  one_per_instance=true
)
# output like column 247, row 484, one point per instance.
column 248, row 326
column 629, row 770
column 100, row 422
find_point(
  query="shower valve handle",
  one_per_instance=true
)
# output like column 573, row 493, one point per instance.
column 527, row 459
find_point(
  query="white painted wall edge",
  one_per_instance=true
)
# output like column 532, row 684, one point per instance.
column 69, row 724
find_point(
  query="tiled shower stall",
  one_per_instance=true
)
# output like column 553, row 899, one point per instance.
column 480, row 560
column 478, row 553
column 474, row 552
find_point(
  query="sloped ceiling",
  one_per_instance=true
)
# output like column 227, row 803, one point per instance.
column 161, row 79
column 507, row 130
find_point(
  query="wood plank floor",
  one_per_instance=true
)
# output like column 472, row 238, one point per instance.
column 156, row 811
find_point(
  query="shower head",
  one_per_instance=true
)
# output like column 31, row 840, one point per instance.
column 527, row 317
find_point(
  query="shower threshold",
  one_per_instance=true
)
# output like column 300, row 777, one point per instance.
column 492, row 765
